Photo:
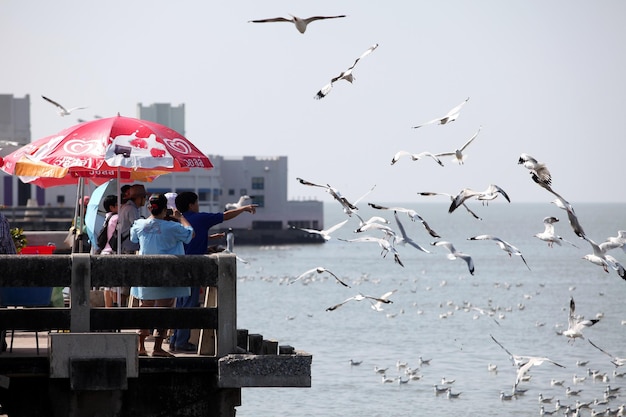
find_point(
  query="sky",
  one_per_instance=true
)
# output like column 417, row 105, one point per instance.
column 543, row 77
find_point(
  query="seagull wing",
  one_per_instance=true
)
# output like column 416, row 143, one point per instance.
column 314, row 18
column 364, row 195
column 304, row 274
column 320, row 270
column 405, row 237
column 470, row 140
column 305, row 182
column 273, row 19
column 335, row 227
column 55, row 103
column 336, row 306
column 364, row 54
column 323, row 92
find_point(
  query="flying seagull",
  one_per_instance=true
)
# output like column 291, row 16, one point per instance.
column 600, row 258
column 505, row 246
column 451, row 116
column 300, row 23
column 324, row 233
column 385, row 245
column 454, row 254
column 615, row 360
column 489, row 194
column 548, row 234
column 361, row 297
column 319, row 270
column 405, row 239
column 575, row 324
column 415, row 156
column 614, row 242
column 451, row 197
column 413, row 215
column 62, row 110
column 458, row 155
column 345, row 75
column 535, row 167
column 348, row 207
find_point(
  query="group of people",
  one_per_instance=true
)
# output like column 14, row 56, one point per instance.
column 179, row 230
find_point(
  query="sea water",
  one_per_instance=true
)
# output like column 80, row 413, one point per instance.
column 432, row 315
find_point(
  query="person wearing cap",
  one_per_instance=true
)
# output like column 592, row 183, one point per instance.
column 188, row 204
column 158, row 236
column 128, row 213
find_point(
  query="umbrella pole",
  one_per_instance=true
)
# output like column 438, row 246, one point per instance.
column 119, row 232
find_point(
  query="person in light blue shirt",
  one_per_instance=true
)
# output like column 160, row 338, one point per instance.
column 157, row 236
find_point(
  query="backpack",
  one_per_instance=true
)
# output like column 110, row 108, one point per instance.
column 102, row 237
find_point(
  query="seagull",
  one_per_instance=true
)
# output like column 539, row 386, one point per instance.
column 355, row 363
column 506, row 397
column 458, row 153
column 451, row 116
column 319, row 270
column 505, row 246
column 378, row 305
column 563, row 204
column 345, row 75
column 62, row 110
column 544, row 400
column 360, row 297
column 615, row 242
column 384, row 244
column 572, row 392
column 440, row 390
column 539, row 169
column 404, row 239
column 240, row 203
column 380, row 370
column 325, row 233
column 451, row 197
column 451, row 394
column 532, row 361
column 348, row 207
column 445, row 381
column 415, row 156
column 413, row 215
column 548, row 234
column 576, row 326
column 489, row 194
column 617, row 361
column 600, row 258
column 300, row 23
column 454, row 254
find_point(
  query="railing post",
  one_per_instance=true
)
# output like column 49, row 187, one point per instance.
column 79, row 292
column 226, row 304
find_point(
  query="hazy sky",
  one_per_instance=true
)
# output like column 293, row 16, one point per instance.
column 544, row 77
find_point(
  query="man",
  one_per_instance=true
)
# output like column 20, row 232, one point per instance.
column 187, row 203
column 128, row 213
column 7, row 247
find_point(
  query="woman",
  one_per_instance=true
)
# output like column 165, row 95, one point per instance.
column 157, row 236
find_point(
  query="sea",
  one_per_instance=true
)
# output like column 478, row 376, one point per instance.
column 441, row 313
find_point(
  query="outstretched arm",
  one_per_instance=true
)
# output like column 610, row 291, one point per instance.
column 231, row 214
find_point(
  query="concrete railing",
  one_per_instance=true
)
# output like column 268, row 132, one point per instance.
column 82, row 272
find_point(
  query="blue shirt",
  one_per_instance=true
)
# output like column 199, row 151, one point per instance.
column 160, row 237
column 201, row 223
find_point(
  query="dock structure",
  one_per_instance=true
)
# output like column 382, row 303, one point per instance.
column 89, row 370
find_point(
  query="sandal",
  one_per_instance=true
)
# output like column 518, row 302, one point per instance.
column 161, row 354
column 142, row 353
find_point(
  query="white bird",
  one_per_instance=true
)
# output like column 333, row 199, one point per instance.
column 544, row 400
column 451, row 116
column 300, row 23
column 451, row 197
column 380, row 370
column 62, row 110
column 555, row 382
column 452, row 395
column 549, row 235
column 532, row 361
column 355, row 363
column 572, row 392
column 578, row 379
column 544, row 412
column 537, row 168
column 423, row 361
column 505, row 246
column 404, row 238
column 458, row 155
column 319, row 270
column 415, row 156
column 615, row 360
column 378, row 305
column 454, row 254
column 440, row 390
column 487, row 195
column 600, row 258
column 576, row 325
column 615, row 242
column 348, row 207
column 506, row 397
column 445, row 381
column 563, row 204
column 240, row 203
column 360, row 297
column 385, row 245
column 413, row 215
column 325, row 233
column 345, row 75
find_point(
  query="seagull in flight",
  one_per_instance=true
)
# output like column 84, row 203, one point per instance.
column 319, row 270
column 505, row 246
column 62, row 110
column 615, row 242
column 548, row 234
column 600, row 258
column 451, row 197
column 617, row 361
column 348, row 207
column 240, row 203
column 413, row 215
column 385, row 245
column 325, row 233
column 345, row 75
column 458, row 155
column 575, row 324
column 539, row 169
column 454, row 254
column 405, row 238
column 489, row 194
column 451, row 116
column 300, row 23
column 361, row 297
column 378, row 305
column 415, row 156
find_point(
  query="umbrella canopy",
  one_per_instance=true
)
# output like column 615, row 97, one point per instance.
column 94, row 214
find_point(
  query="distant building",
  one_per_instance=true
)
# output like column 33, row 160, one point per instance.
column 165, row 114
